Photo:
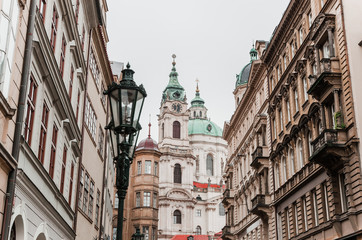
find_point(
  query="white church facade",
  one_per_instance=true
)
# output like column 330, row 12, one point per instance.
column 191, row 165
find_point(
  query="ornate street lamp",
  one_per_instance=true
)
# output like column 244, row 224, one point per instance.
column 126, row 102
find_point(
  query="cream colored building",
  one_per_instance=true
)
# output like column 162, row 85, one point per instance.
column 61, row 193
column 314, row 150
column 13, row 21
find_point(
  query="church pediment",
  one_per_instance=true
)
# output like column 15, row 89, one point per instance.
column 179, row 194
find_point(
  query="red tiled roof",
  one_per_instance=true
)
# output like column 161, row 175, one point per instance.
column 184, row 237
column 204, row 185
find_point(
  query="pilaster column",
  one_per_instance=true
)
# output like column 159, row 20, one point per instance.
column 330, row 42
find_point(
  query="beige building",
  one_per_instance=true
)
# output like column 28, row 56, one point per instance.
column 313, row 158
column 13, row 21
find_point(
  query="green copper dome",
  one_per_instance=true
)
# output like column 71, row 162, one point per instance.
column 204, row 126
column 243, row 77
column 173, row 91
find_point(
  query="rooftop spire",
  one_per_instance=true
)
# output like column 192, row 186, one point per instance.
column 197, row 85
column 149, row 127
column 253, row 54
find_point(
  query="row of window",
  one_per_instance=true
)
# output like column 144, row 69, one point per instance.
column 285, row 108
column 147, row 167
column 45, row 134
column 86, row 196
column 146, row 200
column 305, row 213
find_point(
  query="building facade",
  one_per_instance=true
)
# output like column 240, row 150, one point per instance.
column 247, row 170
column 192, row 152
column 313, row 159
column 61, row 193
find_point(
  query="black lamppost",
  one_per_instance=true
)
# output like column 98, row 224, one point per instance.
column 126, row 102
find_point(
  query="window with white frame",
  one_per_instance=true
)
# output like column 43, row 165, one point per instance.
column 155, row 170
column 154, row 202
column 281, row 119
column 198, row 212
column 100, row 140
column 146, row 199
column 301, row 37
column 300, row 153
column 315, row 208
column 284, row 167
column 94, row 68
column 296, row 100
column 139, row 167
column 90, row 118
column 291, row 161
column 305, row 88
column 138, row 199
column 148, row 164
column 276, row 169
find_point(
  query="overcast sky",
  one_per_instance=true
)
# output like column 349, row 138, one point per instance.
column 211, row 39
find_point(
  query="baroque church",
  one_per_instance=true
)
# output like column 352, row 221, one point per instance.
column 192, row 159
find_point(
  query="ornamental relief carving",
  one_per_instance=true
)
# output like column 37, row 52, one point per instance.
column 301, row 67
column 310, row 53
column 292, row 77
column 320, row 25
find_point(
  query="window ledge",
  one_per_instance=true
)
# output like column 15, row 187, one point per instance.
column 5, row 107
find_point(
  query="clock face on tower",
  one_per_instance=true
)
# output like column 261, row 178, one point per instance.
column 176, row 107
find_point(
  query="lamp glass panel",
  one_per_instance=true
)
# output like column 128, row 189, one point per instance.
column 127, row 101
column 115, row 107
column 138, row 108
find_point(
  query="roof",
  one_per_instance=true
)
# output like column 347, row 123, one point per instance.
column 243, row 77
column 147, row 144
column 184, row 237
column 204, row 126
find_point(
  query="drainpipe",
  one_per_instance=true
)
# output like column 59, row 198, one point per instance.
column 105, row 160
column 82, row 133
column 19, row 119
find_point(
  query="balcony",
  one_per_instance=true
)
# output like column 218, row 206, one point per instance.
column 329, row 148
column 260, row 158
column 228, row 197
column 226, row 232
column 260, row 205
column 327, row 80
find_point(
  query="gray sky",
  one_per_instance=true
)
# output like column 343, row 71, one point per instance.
column 211, row 39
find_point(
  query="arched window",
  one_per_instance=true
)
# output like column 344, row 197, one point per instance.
column 177, row 217
column 176, row 127
column 116, row 201
column 200, row 114
column 198, row 230
column 291, row 161
column 209, row 165
column 194, row 114
column 177, row 173
column 300, row 153
column 284, row 166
